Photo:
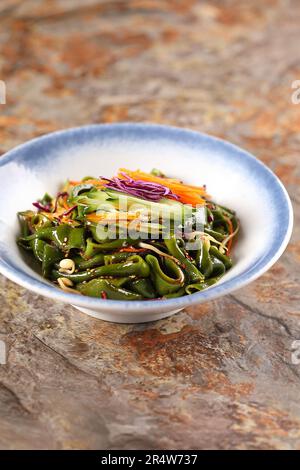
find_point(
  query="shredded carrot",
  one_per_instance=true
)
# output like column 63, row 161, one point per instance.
column 187, row 194
column 169, row 182
column 131, row 249
column 64, row 202
column 58, row 215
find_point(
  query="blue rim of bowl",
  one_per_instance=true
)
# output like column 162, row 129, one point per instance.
column 185, row 136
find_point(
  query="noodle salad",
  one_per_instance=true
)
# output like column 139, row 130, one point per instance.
column 136, row 236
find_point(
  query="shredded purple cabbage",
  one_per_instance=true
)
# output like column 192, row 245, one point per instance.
column 48, row 207
column 143, row 189
column 67, row 212
column 59, row 195
column 41, row 207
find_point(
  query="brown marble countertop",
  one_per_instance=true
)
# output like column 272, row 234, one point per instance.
column 219, row 375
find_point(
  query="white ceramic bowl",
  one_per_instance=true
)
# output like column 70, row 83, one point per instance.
column 233, row 177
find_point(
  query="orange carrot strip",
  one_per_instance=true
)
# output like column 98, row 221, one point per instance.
column 64, row 201
column 169, row 182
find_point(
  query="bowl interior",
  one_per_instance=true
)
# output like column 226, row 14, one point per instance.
column 233, row 178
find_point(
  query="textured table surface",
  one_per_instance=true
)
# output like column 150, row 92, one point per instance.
column 215, row 376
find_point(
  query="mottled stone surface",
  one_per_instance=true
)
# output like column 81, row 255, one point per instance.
column 215, row 376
